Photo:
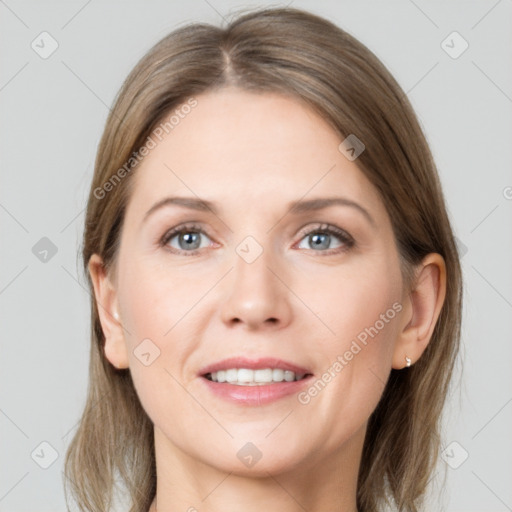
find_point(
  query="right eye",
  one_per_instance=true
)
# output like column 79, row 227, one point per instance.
column 188, row 239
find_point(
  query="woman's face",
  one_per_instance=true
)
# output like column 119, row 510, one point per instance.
column 249, row 278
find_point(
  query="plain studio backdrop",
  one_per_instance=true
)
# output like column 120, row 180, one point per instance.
column 62, row 64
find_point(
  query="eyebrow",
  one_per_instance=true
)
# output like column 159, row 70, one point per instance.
column 294, row 207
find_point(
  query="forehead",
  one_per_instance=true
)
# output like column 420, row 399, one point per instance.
column 250, row 147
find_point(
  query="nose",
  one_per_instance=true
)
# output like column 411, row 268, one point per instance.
column 257, row 294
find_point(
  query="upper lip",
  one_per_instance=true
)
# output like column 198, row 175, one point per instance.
column 252, row 364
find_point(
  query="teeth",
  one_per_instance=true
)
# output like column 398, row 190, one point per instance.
column 277, row 375
column 247, row 377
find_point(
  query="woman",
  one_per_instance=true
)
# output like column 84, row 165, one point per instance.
column 277, row 292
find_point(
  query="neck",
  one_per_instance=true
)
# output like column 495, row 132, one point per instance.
column 316, row 484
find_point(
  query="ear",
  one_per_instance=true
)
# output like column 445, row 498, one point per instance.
column 107, row 305
column 421, row 310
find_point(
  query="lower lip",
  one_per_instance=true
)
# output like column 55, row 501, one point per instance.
column 255, row 395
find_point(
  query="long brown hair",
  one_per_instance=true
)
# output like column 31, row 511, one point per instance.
column 306, row 57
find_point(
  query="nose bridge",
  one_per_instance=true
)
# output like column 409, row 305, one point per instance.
column 255, row 251
column 252, row 263
column 256, row 294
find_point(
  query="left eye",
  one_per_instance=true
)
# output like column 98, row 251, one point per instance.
column 322, row 235
column 322, row 239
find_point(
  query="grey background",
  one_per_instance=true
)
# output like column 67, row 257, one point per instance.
column 52, row 115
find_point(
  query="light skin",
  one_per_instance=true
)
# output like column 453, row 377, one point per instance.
column 252, row 155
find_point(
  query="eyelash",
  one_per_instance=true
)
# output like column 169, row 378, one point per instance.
column 343, row 236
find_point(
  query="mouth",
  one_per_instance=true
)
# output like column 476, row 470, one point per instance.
column 254, row 382
column 241, row 371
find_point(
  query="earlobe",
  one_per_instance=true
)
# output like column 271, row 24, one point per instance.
column 107, row 306
column 424, row 306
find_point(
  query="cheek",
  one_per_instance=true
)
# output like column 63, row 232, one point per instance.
column 361, row 312
column 355, row 302
column 156, row 313
column 355, row 361
column 155, row 301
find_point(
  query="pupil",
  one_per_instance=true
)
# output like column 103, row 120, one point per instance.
column 316, row 237
column 190, row 238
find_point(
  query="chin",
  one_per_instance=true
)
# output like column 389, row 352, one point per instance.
column 256, row 457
